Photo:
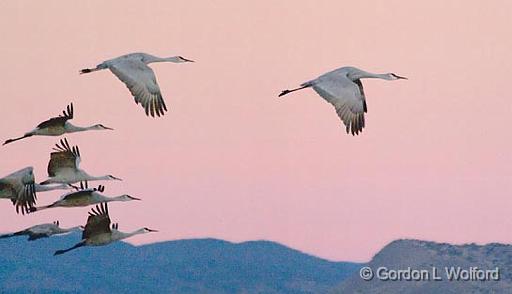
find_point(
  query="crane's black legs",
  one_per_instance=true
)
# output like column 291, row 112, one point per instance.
column 59, row 252
column 16, row 139
column 292, row 90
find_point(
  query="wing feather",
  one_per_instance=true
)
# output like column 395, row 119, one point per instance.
column 64, row 157
column 98, row 222
column 59, row 120
column 347, row 97
column 20, row 188
column 141, row 81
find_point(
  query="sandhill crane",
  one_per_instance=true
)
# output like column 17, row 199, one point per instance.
column 21, row 189
column 42, row 231
column 343, row 89
column 97, row 231
column 133, row 70
column 57, row 126
column 64, row 166
column 85, row 196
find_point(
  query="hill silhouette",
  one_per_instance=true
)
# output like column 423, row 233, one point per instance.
column 182, row 266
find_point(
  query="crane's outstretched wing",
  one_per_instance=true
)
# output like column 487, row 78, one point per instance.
column 141, row 81
column 26, row 198
column 21, row 196
column 360, row 85
column 55, row 122
column 58, row 120
column 348, row 99
column 82, row 191
column 20, row 188
column 98, row 222
column 64, row 157
column 7, row 190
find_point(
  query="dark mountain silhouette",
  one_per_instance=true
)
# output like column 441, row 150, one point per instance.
column 182, row 266
column 424, row 255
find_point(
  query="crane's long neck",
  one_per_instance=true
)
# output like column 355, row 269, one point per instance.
column 94, row 178
column 154, row 59
column 368, row 75
column 114, row 198
column 77, row 228
column 118, row 235
column 104, row 198
column 73, row 129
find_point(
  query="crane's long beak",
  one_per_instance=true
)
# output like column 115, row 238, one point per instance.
column 107, row 128
column 114, row 178
column 135, row 198
column 187, row 60
column 150, row 230
column 401, row 78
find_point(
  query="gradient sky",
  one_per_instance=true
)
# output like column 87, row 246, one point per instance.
column 230, row 160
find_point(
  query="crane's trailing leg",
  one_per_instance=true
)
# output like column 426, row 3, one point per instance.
column 88, row 70
column 47, row 182
column 16, row 139
column 20, row 233
column 293, row 90
column 59, row 252
column 34, row 209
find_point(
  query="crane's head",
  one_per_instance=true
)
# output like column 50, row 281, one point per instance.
column 147, row 230
column 100, row 127
column 127, row 198
column 111, row 177
column 392, row 76
column 183, row 59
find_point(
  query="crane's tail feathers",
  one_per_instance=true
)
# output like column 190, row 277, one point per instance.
column 17, row 139
column 59, row 252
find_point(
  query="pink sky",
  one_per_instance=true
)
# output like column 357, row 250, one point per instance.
column 231, row 161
